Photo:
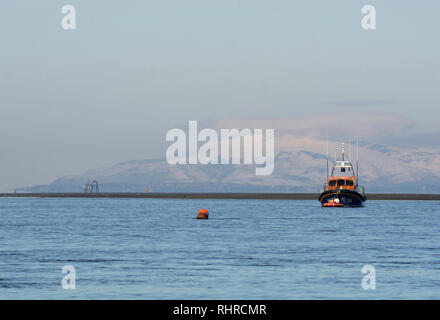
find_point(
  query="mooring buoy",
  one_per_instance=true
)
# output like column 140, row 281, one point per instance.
column 202, row 214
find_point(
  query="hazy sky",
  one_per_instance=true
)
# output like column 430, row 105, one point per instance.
column 110, row 90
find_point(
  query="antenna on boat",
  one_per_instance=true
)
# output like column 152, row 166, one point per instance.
column 350, row 148
column 357, row 161
column 327, row 157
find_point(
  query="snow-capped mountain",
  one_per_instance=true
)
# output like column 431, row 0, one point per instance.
column 299, row 166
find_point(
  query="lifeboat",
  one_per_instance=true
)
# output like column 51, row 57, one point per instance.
column 342, row 188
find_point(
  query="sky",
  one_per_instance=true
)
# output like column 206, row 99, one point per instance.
column 107, row 92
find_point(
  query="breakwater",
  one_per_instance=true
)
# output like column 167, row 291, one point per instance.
column 264, row 196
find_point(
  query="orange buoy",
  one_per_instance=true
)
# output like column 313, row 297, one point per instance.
column 202, row 214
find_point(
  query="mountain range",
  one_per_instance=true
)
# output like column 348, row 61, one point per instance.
column 300, row 166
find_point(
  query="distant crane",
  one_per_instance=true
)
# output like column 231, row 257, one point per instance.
column 91, row 186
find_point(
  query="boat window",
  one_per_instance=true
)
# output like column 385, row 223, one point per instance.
column 349, row 182
column 332, row 183
column 340, row 182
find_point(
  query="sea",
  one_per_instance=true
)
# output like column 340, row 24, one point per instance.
column 82, row 248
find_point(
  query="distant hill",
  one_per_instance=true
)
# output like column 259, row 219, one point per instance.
column 299, row 167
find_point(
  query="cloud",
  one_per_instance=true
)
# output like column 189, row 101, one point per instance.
column 338, row 124
column 362, row 103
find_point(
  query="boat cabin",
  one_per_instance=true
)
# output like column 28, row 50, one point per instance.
column 337, row 183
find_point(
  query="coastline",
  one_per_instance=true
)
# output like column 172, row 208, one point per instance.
column 262, row 196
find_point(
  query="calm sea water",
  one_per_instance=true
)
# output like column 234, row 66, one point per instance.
column 248, row 249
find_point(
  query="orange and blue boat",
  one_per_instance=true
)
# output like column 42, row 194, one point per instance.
column 342, row 188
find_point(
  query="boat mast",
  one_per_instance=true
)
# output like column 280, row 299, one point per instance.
column 343, row 151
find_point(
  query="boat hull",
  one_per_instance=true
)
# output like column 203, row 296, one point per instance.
column 342, row 198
